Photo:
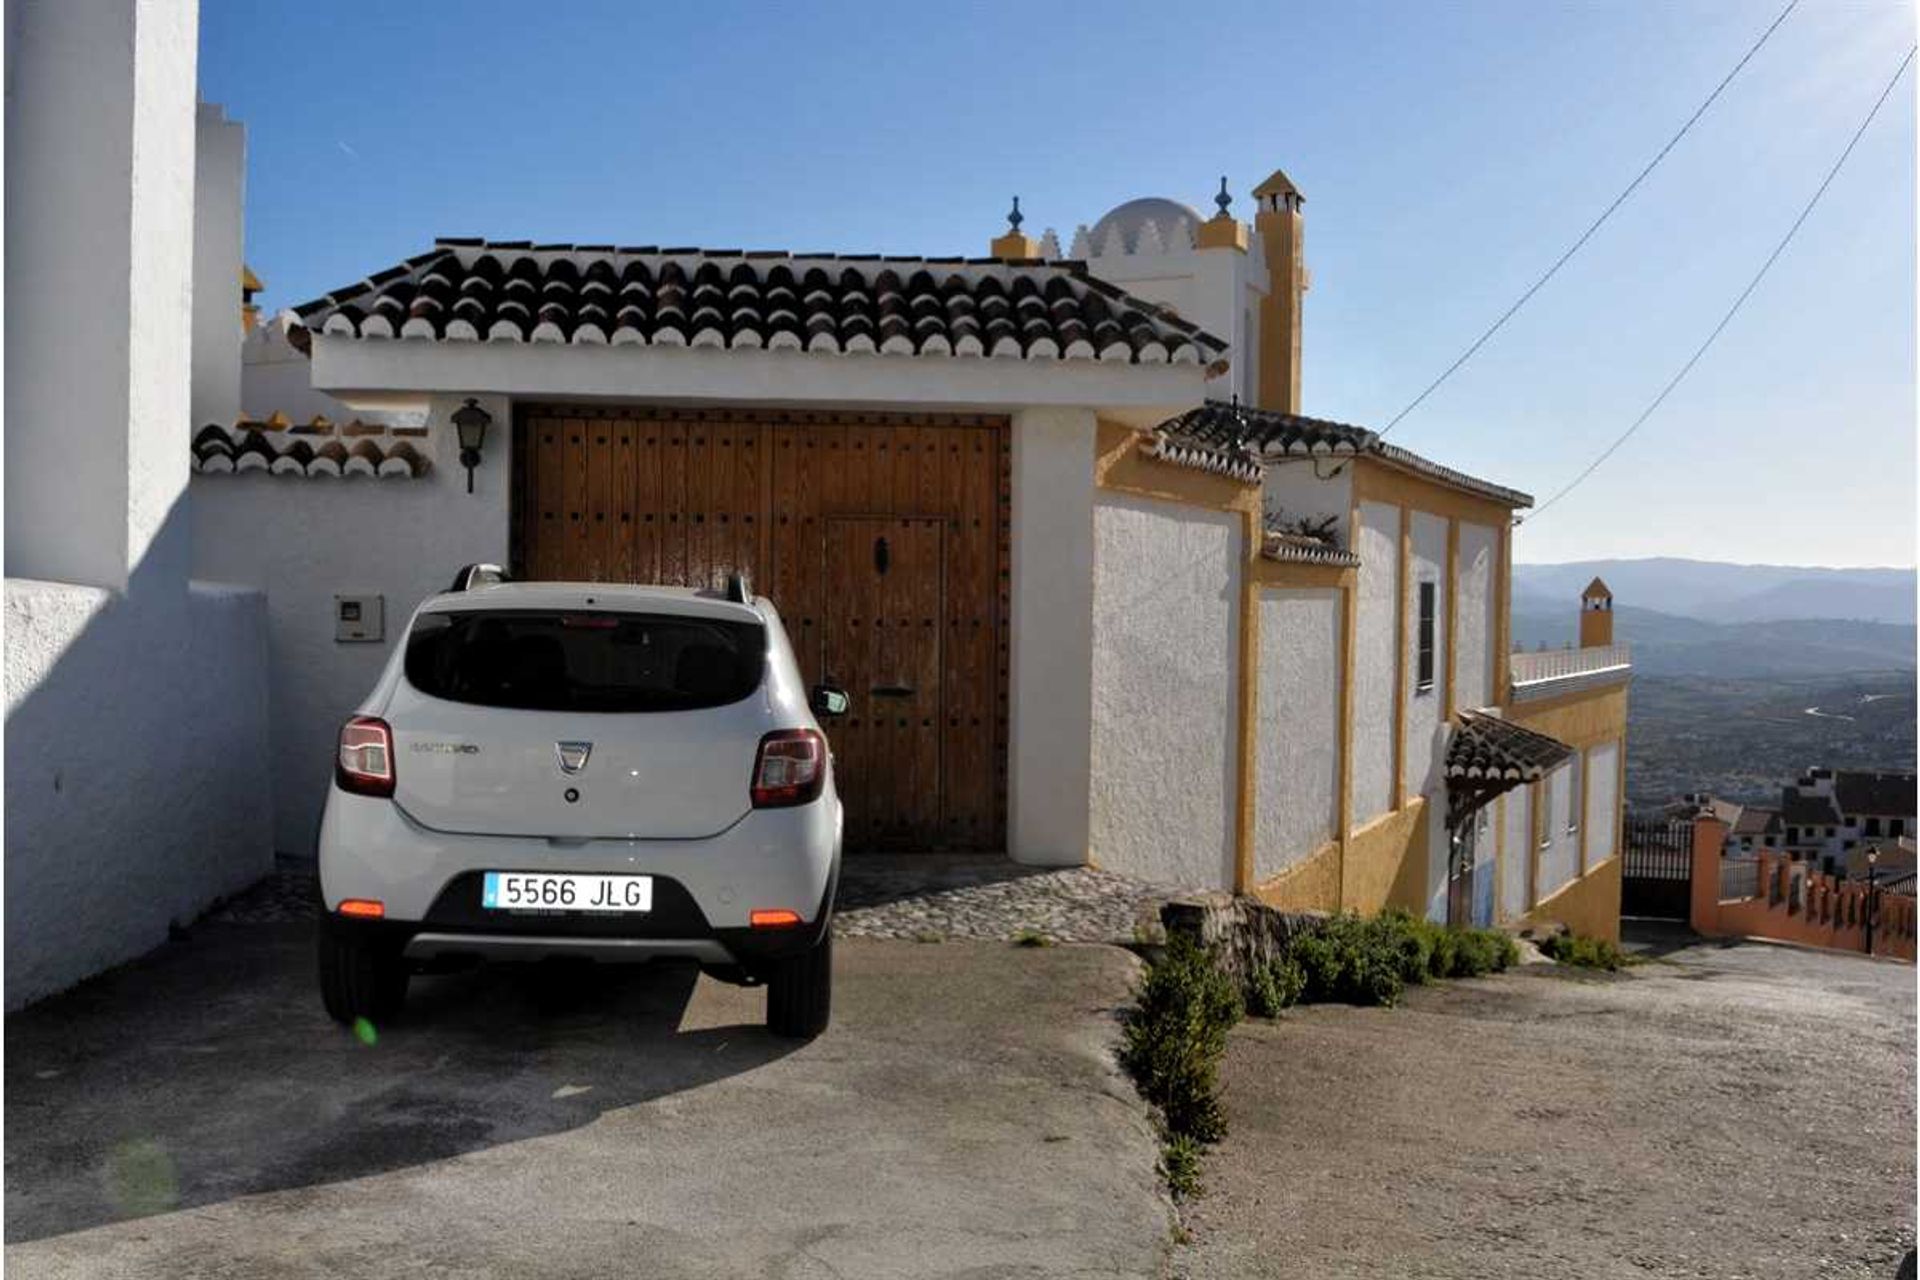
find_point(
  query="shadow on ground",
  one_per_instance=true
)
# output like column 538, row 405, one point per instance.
column 208, row 1071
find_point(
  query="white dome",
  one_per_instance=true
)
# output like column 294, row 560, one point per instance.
column 1129, row 218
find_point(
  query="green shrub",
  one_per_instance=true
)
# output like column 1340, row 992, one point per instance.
column 1349, row 960
column 1274, row 986
column 1476, row 953
column 1180, row 1166
column 1412, row 941
column 1584, row 952
column 1174, row 1035
column 1356, row 961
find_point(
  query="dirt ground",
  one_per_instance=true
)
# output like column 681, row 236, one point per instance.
column 1729, row 1111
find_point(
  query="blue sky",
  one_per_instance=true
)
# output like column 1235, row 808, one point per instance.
column 1448, row 153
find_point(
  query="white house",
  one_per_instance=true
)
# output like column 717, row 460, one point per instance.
column 1136, row 609
column 1101, row 593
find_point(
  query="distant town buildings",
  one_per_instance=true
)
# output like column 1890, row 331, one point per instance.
column 1828, row 817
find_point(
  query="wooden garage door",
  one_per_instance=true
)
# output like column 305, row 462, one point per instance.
column 882, row 540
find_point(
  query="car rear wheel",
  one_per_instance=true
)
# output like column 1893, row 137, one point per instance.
column 360, row 976
column 800, row 991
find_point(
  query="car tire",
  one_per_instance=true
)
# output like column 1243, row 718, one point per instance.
column 800, row 991
column 360, row 977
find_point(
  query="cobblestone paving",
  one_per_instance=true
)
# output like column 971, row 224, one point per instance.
column 910, row 896
column 958, row 896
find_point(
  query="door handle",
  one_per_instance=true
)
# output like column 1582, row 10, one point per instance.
column 892, row 691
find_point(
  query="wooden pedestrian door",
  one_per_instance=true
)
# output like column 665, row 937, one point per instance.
column 881, row 539
column 883, row 647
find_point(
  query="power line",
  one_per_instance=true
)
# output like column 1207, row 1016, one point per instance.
column 1745, row 293
column 1598, row 222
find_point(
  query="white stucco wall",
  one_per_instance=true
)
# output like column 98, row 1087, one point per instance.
column 219, row 188
column 1051, row 646
column 99, row 226
column 138, row 784
column 1217, row 289
column 1294, row 491
column 1560, row 851
column 1426, row 711
column 1474, row 620
column 1375, row 628
column 1165, row 690
column 1516, row 849
column 1603, row 802
column 301, row 541
column 1296, row 801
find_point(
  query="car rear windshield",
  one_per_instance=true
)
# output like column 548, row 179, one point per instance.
column 540, row 660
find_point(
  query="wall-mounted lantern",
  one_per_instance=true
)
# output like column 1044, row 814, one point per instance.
column 470, row 420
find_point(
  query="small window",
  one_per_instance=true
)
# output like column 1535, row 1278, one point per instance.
column 1873, row 826
column 1896, row 826
column 1829, row 833
column 1424, row 669
column 1793, row 835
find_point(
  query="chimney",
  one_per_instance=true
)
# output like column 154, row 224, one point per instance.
column 1281, row 229
column 1596, row 616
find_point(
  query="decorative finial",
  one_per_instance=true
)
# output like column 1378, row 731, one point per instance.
column 1223, row 199
column 1015, row 218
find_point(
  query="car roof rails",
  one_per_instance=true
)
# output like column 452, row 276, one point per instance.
column 478, row 575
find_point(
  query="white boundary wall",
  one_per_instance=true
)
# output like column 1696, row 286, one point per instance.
column 1166, row 622
column 1297, row 798
column 301, row 541
column 1373, row 674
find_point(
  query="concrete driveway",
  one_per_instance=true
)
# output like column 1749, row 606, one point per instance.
column 1722, row 1110
column 195, row 1114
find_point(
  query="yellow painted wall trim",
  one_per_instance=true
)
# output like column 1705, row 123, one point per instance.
column 1503, row 618
column 1589, row 905
column 1349, row 618
column 1312, row 884
column 1385, row 864
column 1375, row 479
column 1584, row 718
column 1291, row 573
column 1119, row 465
column 1249, row 727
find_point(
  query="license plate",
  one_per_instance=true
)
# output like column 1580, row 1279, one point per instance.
column 544, row 891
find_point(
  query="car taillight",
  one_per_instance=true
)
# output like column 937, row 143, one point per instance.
column 365, row 763
column 790, row 768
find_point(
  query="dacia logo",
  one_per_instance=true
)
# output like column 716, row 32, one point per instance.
column 572, row 755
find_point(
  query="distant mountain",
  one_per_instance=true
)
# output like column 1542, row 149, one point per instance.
column 1718, row 592
column 1665, row 644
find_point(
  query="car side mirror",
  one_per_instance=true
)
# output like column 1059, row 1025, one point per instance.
column 829, row 700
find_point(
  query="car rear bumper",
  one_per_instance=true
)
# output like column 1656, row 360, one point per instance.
column 428, row 885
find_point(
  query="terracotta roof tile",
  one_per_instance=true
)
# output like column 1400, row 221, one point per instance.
column 1486, row 748
column 1269, row 436
column 219, row 450
column 467, row 290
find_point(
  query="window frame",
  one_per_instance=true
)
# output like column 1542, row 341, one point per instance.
column 1426, row 615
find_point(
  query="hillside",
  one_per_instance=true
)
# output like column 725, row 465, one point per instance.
column 1725, row 592
column 1668, row 645
column 1741, row 738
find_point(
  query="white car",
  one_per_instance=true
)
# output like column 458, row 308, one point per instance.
column 585, row 770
